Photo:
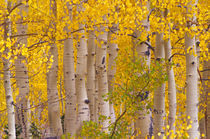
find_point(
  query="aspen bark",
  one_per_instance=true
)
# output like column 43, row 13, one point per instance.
column 96, row 84
column 9, row 99
column 102, row 77
column 69, row 82
column 171, row 82
column 81, row 68
column 143, row 122
column 91, row 75
column 7, row 82
column 52, row 91
column 69, row 85
column 112, row 51
column 191, row 86
column 159, row 93
column 22, row 80
column 171, row 87
column 191, row 81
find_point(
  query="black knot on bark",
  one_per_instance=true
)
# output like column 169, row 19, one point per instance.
column 193, row 62
column 87, row 101
column 103, row 60
column 197, row 43
column 147, row 53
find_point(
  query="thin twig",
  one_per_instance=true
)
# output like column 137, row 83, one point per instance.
column 115, row 124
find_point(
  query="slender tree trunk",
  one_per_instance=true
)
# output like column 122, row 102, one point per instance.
column 91, row 75
column 7, row 83
column 102, row 77
column 171, row 83
column 9, row 99
column 191, row 82
column 171, row 87
column 69, row 83
column 96, row 84
column 143, row 121
column 81, row 92
column 113, row 51
column 52, row 91
column 22, row 80
column 159, row 93
column 192, row 86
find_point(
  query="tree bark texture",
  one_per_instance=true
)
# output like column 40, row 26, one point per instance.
column 159, row 93
column 22, row 79
column 191, row 86
column 91, row 75
column 7, row 82
column 112, row 51
column 70, row 119
column 52, row 91
column 102, row 77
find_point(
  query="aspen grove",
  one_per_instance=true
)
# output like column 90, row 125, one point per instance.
column 104, row 69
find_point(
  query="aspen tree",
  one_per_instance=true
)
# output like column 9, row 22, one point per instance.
column 159, row 93
column 22, row 80
column 91, row 74
column 191, row 81
column 102, row 76
column 142, row 124
column 112, row 51
column 171, row 86
column 96, row 83
column 81, row 92
column 69, row 81
column 7, row 82
column 52, row 91
column 171, row 82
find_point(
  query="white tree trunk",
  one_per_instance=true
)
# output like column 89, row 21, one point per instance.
column 171, row 86
column 143, row 121
column 159, row 93
column 191, row 81
column 69, row 86
column 113, row 51
column 81, row 92
column 9, row 100
column 102, row 77
column 191, row 86
column 52, row 91
column 7, row 83
column 22, row 79
column 69, row 83
column 91, row 75
column 171, row 82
